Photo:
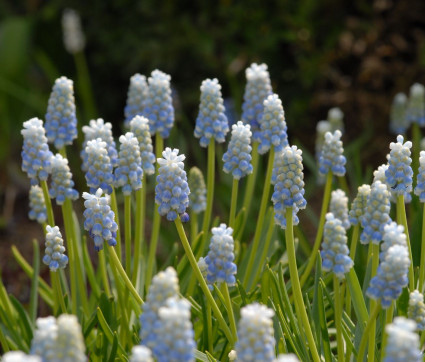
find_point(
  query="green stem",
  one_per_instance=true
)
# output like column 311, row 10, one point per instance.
column 296, row 287
column 260, row 219
column 388, row 319
column 85, row 88
column 201, row 281
column 233, row 203
column 353, row 248
column 209, row 329
column 140, row 228
column 114, row 207
column 366, row 333
column 127, row 230
column 402, row 219
column 319, row 235
column 193, row 226
column 50, row 217
column 230, row 314
column 58, row 291
column 422, row 267
column 104, row 275
column 338, row 318
column 374, row 255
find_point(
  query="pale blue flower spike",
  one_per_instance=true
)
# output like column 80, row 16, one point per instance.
column 38, row 209
column 61, row 187
column 54, row 256
column 416, row 105
column 139, row 126
column 416, row 310
column 198, row 190
column 339, row 207
column 398, row 114
column 358, row 206
column 393, row 235
column 420, row 184
column 137, row 95
column 141, row 354
column 332, row 157
column 335, row 118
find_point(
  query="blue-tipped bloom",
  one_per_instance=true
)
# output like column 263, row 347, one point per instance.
column 339, row 207
column 54, row 257
column 220, row 258
column 19, row 356
column 44, row 340
column 103, row 130
column 335, row 119
column 335, row 253
column 258, row 88
column 358, row 206
column 420, row 183
column 398, row 116
column 198, row 190
column 139, row 126
column 62, row 185
column 99, row 167
column 61, row 121
column 399, row 173
column 164, row 285
column 416, row 105
column 403, row 343
column 255, row 334
column 393, row 235
column 391, row 276
column 416, row 310
column 237, row 159
column 137, row 95
column 99, row 219
column 38, row 210
column 159, row 105
column 174, row 331
column 376, row 214
column 36, row 156
column 211, row 121
column 288, row 183
column 172, row 190
column 331, row 157
column 272, row 126
column 141, row 354
column 129, row 173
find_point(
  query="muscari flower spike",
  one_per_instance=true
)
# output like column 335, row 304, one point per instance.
column 137, row 95
column 339, row 207
column 290, row 357
column 211, row 122
column 321, row 128
column 54, row 257
column 98, row 128
column 198, row 190
column 159, row 105
column 258, row 88
column 416, row 310
column 141, row 354
column 376, row 215
column 403, row 343
column 129, row 173
column 379, row 175
column 19, row 356
column 73, row 36
column 237, row 159
column 139, row 126
column 164, row 285
column 61, row 187
column 220, row 258
column 358, row 206
column 172, row 190
column 398, row 116
column 256, row 340
column 38, row 210
column 36, row 156
column 44, row 340
column 393, row 235
column 335, row 253
column 272, row 126
column 335, row 119
column 331, row 157
column 416, row 105
column 61, row 121
column 288, row 183
column 420, row 183
column 99, row 219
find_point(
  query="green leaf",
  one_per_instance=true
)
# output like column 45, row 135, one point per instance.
column 357, row 298
column 34, row 282
column 114, row 348
column 23, row 320
column 403, row 303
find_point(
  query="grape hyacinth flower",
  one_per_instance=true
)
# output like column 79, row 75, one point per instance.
column 272, row 126
column 159, row 106
column 19, row 356
column 237, row 159
column 288, row 184
column 258, row 88
column 141, row 354
column 38, row 210
column 139, row 126
column 61, row 121
column 221, row 268
column 290, row 357
column 376, row 215
column 420, row 184
column 416, row 105
column 335, row 253
column 255, row 334
column 129, row 173
column 61, row 187
column 393, row 235
column 358, row 206
column 321, row 128
column 335, row 119
column 339, row 207
column 99, row 219
column 403, row 343
column 416, row 310
column 137, row 95
column 44, row 340
column 36, row 156
column 379, row 175
column 73, row 36
column 398, row 115
column 172, row 190
column 211, row 121
column 54, row 257
column 332, row 158
column 198, row 190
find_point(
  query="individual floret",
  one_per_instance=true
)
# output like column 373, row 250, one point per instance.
column 402, row 343
column 331, row 157
column 416, row 310
column 339, row 207
column 38, row 210
column 61, row 187
column 398, row 115
column 358, row 206
column 139, row 126
column 198, row 191
column 416, row 105
column 137, row 95
column 420, row 183
column 54, row 257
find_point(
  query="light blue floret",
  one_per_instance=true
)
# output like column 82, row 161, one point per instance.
column 339, row 207
column 237, row 159
column 420, row 183
column 172, row 190
column 331, row 157
column 358, row 206
column 61, row 121
column 139, row 126
column 129, row 173
column 38, row 210
column 211, row 121
column 398, row 115
column 159, row 106
column 198, row 191
column 416, row 105
column 61, row 187
column 416, row 310
column 288, row 183
column 36, row 156
column 54, row 257
column 137, row 95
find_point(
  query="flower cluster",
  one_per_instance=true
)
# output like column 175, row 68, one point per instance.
column 393, row 235
column 137, row 95
column 335, row 119
column 55, row 256
column 416, row 105
column 358, row 206
column 398, row 117
column 339, row 207
column 322, row 128
column 416, row 310
column 331, row 157
column 73, row 36
column 19, row 356
column 403, row 342
column 141, row 354
column 139, row 126
column 198, row 190
column 37, row 205
column 61, row 187
column 237, row 159
column 420, row 184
